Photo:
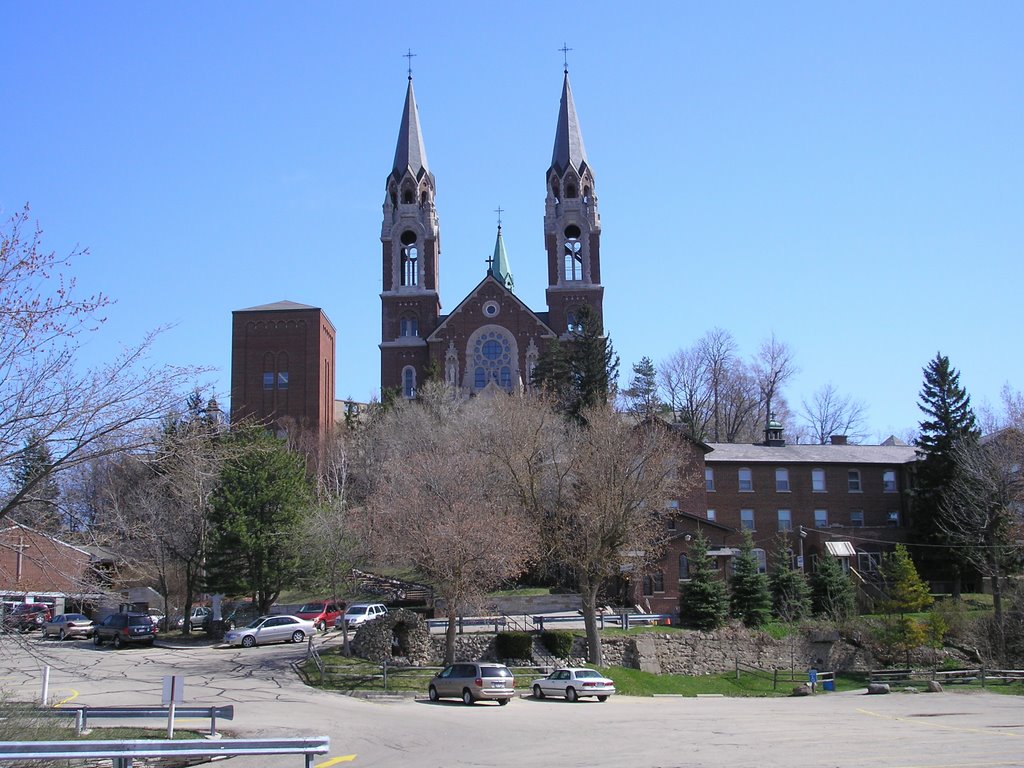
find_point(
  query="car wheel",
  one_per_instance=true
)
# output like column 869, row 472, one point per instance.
column 503, row 702
column 298, row 636
column 61, row 635
column 537, row 692
column 467, row 696
column 248, row 641
column 97, row 641
column 602, row 698
column 432, row 693
column 118, row 642
column 571, row 695
column 152, row 642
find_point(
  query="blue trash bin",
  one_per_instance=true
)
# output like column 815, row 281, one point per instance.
column 828, row 685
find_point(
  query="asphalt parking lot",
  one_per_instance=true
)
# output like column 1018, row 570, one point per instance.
column 948, row 730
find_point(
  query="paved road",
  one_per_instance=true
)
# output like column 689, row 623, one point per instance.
column 950, row 730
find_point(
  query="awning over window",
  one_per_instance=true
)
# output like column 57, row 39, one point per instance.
column 723, row 552
column 840, row 548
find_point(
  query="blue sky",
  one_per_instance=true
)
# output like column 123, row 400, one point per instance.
column 849, row 176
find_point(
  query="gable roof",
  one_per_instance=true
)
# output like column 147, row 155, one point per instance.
column 811, row 454
column 277, row 306
column 437, row 334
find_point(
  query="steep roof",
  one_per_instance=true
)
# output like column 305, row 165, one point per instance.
column 500, row 266
column 410, row 153
column 445, row 319
column 569, row 149
column 811, row 454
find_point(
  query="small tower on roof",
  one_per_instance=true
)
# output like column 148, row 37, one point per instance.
column 499, row 266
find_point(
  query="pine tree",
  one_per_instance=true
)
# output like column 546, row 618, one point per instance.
column 905, row 593
column 750, row 599
column 950, row 421
column 32, row 473
column 582, row 373
column 791, row 594
column 702, row 600
column 832, row 593
column 642, row 393
column 255, row 512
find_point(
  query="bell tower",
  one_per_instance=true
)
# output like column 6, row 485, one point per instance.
column 572, row 225
column 410, row 240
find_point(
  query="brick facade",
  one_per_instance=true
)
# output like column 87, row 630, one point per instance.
column 283, row 367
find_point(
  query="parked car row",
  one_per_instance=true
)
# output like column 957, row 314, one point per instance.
column 490, row 681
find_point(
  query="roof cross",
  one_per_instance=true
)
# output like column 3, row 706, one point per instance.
column 565, row 56
column 410, row 56
column 498, row 211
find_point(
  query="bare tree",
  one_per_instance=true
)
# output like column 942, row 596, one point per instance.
column 981, row 510
column 773, row 367
column 738, row 404
column 45, row 398
column 718, row 351
column 597, row 492
column 437, row 507
column 831, row 413
column 685, row 381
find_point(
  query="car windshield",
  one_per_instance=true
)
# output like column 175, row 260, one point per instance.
column 495, row 672
column 587, row 673
column 357, row 610
column 254, row 623
column 311, row 608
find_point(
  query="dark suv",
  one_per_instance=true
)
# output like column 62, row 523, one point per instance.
column 122, row 628
column 28, row 616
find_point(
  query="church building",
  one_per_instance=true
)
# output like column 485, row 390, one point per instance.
column 491, row 339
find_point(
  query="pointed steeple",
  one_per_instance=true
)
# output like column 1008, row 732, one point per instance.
column 499, row 263
column 569, row 149
column 410, row 153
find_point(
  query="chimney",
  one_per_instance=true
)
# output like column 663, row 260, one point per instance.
column 837, row 439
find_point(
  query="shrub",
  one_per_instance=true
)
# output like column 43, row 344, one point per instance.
column 558, row 641
column 514, row 645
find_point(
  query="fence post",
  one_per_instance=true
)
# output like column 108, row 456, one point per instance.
column 775, row 679
column 384, row 665
column 982, row 677
column 737, row 663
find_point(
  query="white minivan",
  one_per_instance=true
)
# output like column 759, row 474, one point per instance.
column 360, row 613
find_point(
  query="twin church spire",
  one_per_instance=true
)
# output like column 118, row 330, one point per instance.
column 410, row 239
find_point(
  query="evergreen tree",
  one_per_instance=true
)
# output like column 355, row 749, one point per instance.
column 38, row 507
column 750, row 599
column 791, row 594
column 832, row 593
column 950, row 421
column 255, row 514
column 702, row 600
column 642, row 393
column 905, row 593
column 584, row 372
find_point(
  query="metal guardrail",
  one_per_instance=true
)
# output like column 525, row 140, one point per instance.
column 123, row 753
column 82, row 714
column 538, row 623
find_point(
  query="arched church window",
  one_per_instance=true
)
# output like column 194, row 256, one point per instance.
column 570, row 191
column 409, row 382
column 555, row 190
column 492, row 358
column 393, row 194
column 410, row 255
column 573, row 253
column 587, row 194
column 410, row 325
column 423, row 197
column 408, row 195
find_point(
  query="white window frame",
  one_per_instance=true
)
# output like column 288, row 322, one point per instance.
column 856, row 518
column 785, row 518
column 889, row 486
column 853, row 481
column 745, row 472
column 821, row 518
column 782, row 480
column 709, row 479
column 747, row 520
column 818, row 474
column 711, row 514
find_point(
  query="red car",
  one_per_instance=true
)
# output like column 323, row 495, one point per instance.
column 321, row 612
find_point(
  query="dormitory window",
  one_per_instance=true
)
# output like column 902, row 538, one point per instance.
column 853, row 481
column 709, row 478
column 785, row 520
column 746, row 481
column 818, row 480
column 684, row 566
column 821, row 518
column 282, row 379
column 747, row 519
column 573, row 253
column 894, row 519
column 711, row 515
column 410, row 257
column 889, row 481
column 762, row 560
column 856, row 518
column 268, row 379
column 659, row 582
column 782, row 480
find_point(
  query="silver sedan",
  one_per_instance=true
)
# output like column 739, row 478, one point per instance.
column 68, row 625
column 271, row 629
column 573, row 682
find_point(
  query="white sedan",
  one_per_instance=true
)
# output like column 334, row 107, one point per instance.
column 271, row 629
column 573, row 682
